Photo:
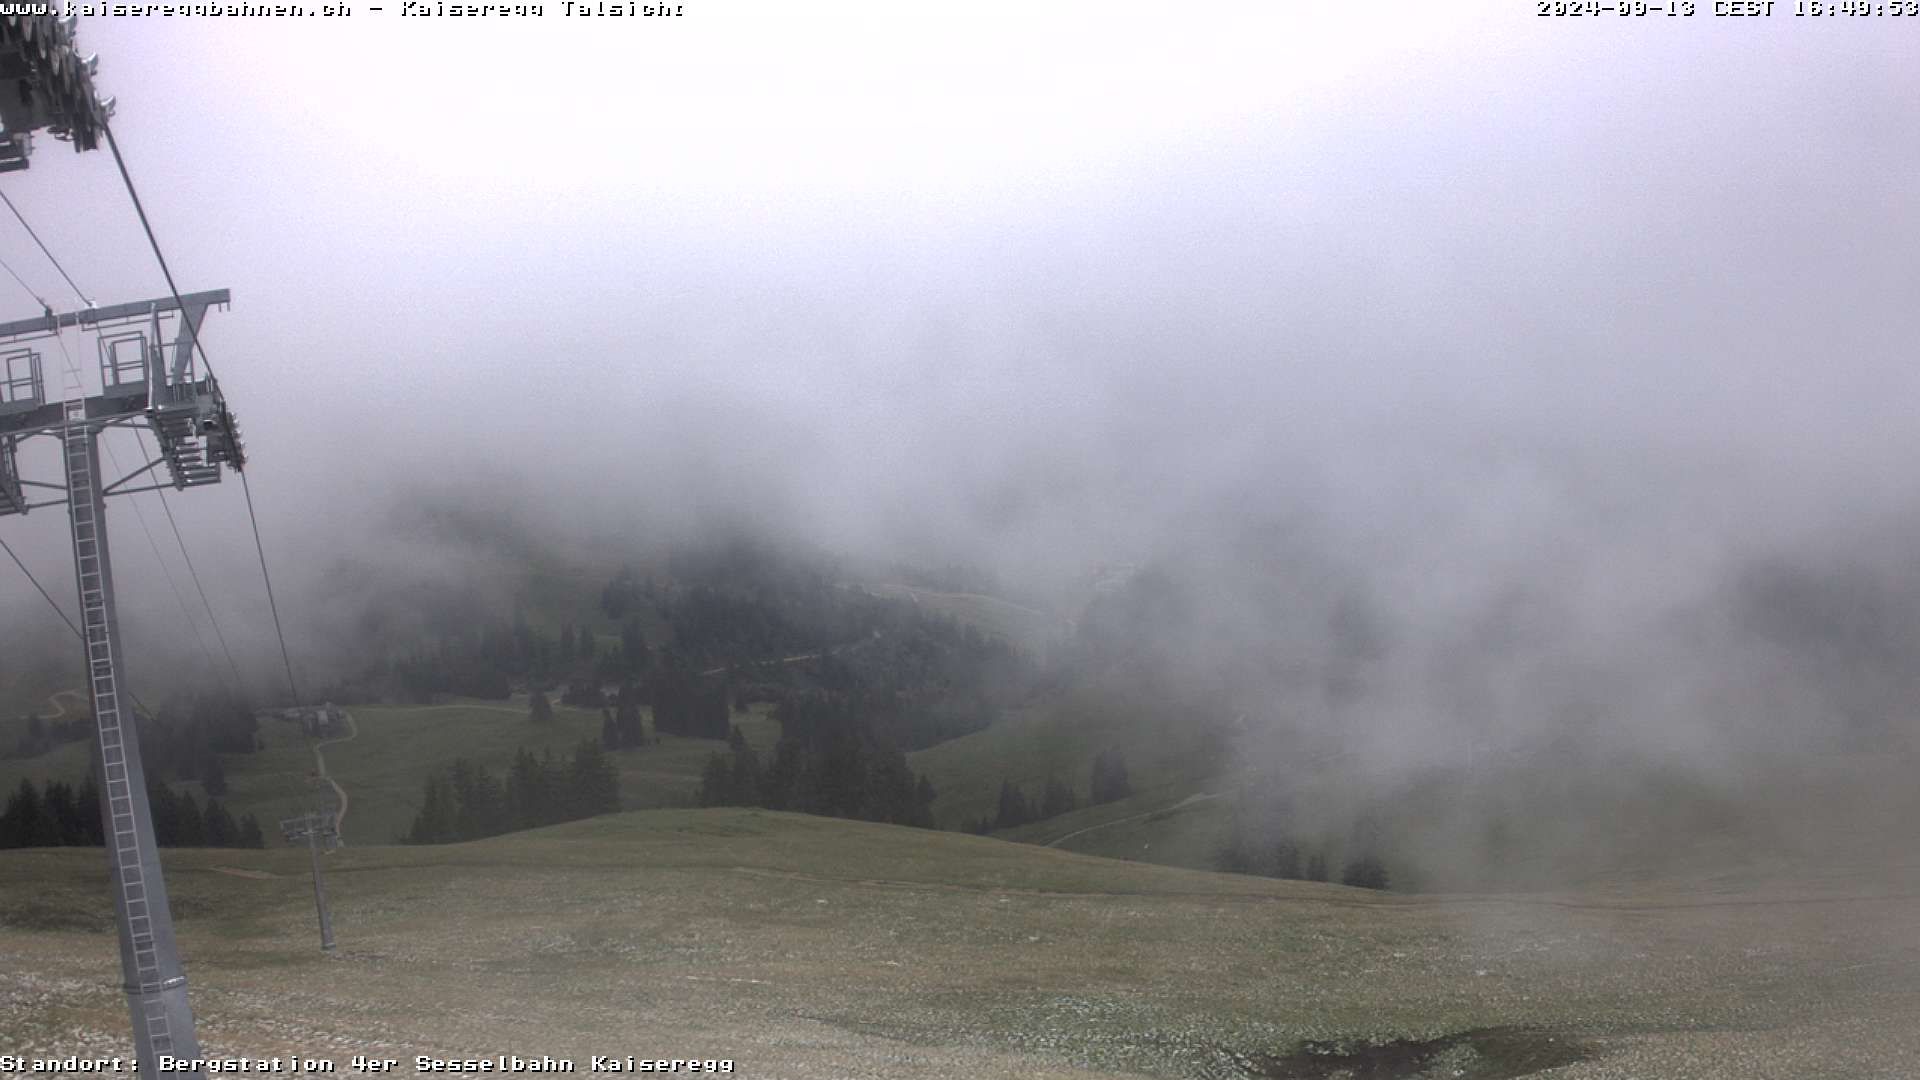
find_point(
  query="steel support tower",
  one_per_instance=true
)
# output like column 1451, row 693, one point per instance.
column 145, row 380
column 316, row 827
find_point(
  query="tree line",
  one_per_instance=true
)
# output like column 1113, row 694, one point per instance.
column 710, row 623
column 1107, row 783
column 465, row 801
column 1290, row 859
column 688, row 705
column 186, row 739
column 829, row 761
column 682, row 703
column 67, row 816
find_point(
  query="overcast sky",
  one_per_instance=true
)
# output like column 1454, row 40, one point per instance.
column 1489, row 293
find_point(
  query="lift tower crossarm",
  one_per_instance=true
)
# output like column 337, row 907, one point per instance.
column 147, row 372
column 93, row 316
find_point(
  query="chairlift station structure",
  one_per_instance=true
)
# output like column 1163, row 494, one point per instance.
column 145, row 353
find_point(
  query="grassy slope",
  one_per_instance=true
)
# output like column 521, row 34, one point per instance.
column 1187, row 831
column 40, row 659
column 809, row 947
column 1059, row 738
column 1159, row 823
column 384, row 767
column 1560, row 830
column 67, row 761
column 25, row 691
column 1172, row 818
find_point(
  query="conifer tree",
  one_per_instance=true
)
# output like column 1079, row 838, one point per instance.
column 1012, row 809
column 435, row 822
column 629, row 727
column 1365, row 872
column 1286, row 859
column 57, row 803
column 716, row 783
column 213, row 776
column 1056, row 799
column 923, row 795
column 250, row 835
column 165, row 809
column 221, row 829
column 87, row 804
column 25, row 822
column 484, row 812
column 744, row 770
column 1109, row 780
column 633, row 647
column 529, row 792
column 594, row 784
column 191, row 827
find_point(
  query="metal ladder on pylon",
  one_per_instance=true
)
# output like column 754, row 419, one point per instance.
column 97, row 628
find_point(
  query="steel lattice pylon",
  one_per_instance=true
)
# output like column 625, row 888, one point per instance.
column 316, row 827
column 151, row 381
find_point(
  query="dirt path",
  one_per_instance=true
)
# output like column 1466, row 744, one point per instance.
column 1191, row 799
column 1188, row 801
column 914, row 592
column 320, row 766
column 783, row 660
column 798, row 657
column 60, row 710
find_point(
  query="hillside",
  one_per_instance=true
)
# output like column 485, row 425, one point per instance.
column 1058, row 737
column 394, row 747
column 1211, row 769
column 930, row 672
column 805, row 947
column 1028, row 628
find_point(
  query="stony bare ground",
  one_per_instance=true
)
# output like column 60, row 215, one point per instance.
column 803, row 947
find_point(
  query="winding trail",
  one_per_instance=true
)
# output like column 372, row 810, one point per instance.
column 320, row 766
column 782, row 660
column 1188, row 801
column 60, row 710
column 844, row 648
column 1240, row 722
